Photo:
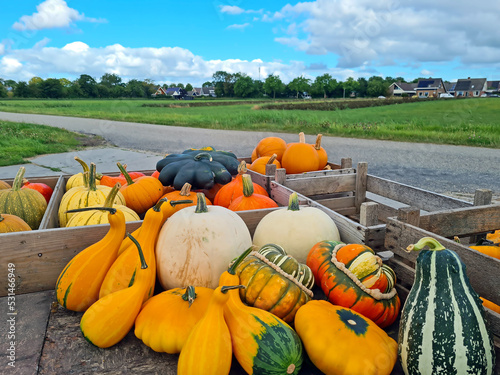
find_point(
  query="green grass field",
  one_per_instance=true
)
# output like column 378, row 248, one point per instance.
column 472, row 122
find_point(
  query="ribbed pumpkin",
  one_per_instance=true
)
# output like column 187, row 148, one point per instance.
column 322, row 155
column 113, row 180
column 250, row 200
column 343, row 288
column 259, row 165
column 275, row 282
column 341, row 341
column 78, row 178
column 269, row 146
column 4, row 185
column 184, row 194
column 85, row 196
column 300, row 157
column 166, row 319
column 99, row 216
column 12, row 223
column 142, row 193
column 442, row 328
column 28, row 204
column 234, row 189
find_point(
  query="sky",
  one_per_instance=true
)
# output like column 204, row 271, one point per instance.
column 188, row 41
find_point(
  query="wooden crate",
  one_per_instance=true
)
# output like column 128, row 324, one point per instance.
column 468, row 223
column 362, row 202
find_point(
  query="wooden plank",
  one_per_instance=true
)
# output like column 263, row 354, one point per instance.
column 410, row 215
column 413, row 196
column 482, row 270
column 361, row 175
column 51, row 218
column 368, row 214
column 337, row 204
column 323, row 184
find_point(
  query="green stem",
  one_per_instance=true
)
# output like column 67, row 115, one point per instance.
column 202, row 155
column 224, row 289
column 293, row 202
column 92, row 185
column 232, row 267
column 141, row 255
column 189, row 295
column 158, row 204
column 433, row 245
column 110, row 199
column 201, row 205
column 112, row 210
column 247, row 185
column 85, row 173
column 18, row 180
column 125, row 173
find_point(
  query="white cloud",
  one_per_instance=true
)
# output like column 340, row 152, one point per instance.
column 238, row 26
column 2, row 49
column 9, row 65
column 231, row 9
column 51, row 14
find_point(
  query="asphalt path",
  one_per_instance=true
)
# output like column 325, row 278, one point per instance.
column 439, row 168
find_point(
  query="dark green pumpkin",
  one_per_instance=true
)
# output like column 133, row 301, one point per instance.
column 28, row 204
column 226, row 158
column 199, row 170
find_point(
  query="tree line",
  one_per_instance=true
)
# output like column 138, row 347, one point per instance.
column 228, row 85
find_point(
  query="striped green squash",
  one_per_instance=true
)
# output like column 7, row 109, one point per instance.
column 442, row 328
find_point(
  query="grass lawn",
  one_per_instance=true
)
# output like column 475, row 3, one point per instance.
column 472, row 122
column 21, row 141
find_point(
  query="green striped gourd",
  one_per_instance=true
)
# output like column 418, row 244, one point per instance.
column 442, row 328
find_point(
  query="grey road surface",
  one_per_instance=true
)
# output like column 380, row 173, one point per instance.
column 438, row 168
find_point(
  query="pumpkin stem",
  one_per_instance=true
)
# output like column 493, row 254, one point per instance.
column 186, row 189
column 232, row 268
column 272, row 159
column 203, row 155
column 110, row 199
column 111, row 210
column 242, row 167
column 201, row 205
column 158, row 204
column 189, row 295
column 183, row 201
column 317, row 146
column 141, row 255
column 224, row 289
column 247, row 185
column 92, row 184
column 125, row 173
column 293, row 202
column 432, row 243
column 18, row 180
column 302, row 137
column 84, row 165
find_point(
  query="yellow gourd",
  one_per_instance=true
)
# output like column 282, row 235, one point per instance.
column 78, row 179
column 208, row 348
column 78, row 284
column 108, row 320
column 166, row 319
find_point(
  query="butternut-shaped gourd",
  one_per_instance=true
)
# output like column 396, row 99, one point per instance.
column 208, row 348
column 108, row 320
column 341, row 341
column 262, row 342
column 123, row 271
column 78, row 285
column 166, row 319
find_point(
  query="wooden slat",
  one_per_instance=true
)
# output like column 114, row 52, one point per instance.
column 361, row 175
column 337, row 204
column 50, row 218
column 368, row 214
column 323, row 184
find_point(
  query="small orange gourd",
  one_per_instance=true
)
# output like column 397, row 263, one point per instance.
column 184, row 194
column 4, row 185
column 12, row 223
column 494, row 237
column 300, row 157
column 250, row 200
column 259, row 165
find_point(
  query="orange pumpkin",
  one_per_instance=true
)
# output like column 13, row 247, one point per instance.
column 4, row 185
column 250, row 200
column 12, row 223
column 494, row 237
column 300, row 157
column 490, row 305
column 323, row 156
column 234, row 189
column 259, row 165
column 268, row 146
column 183, row 194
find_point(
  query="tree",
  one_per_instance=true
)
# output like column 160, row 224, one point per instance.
column 135, row 89
column 3, row 91
column 22, row 90
column 324, row 85
column 244, row 87
column 299, row 85
column 88, row 86
column 273, row 84
column 110, row 80
column 376, row 87
column 207, row 84
column 51, row 88
column 350, row 86
column 363, row 85
column 189, row 87
column 34, row 87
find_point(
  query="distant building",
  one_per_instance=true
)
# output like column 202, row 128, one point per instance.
column 430, row 87
column 470, row 87
column 400, row 88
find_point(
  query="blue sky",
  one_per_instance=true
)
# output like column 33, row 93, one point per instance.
column 187, row 41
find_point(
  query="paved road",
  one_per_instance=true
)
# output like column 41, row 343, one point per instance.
column 438, row 168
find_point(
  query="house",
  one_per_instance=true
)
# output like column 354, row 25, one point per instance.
column 175, row 92
column 492, row 87
column 450, row 87
column 430, row 87
column 474, row 87
column 159, row 91
column 400, row 88
column 204, row 91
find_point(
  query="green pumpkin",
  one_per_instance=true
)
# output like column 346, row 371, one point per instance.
column 28, row 204
column 226, row 158
column 200, row 170
column 442, row 328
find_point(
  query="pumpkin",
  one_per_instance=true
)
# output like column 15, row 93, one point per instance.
column 28, row 204
column 249, row 200
column 490, row 305
column 78, row 284
column 322, row 155
column 494, row 237
column 487, row 247
column 196, row 244
column 142, row 193
column 341, row 341
column 275, row 282
column 442, row 328
column 78, row 178
column 234, row 189
column 259, row 165
column 295, row 228
column 262, row 342
column 269, row 146
column 226, row 158
column 44, row 189
column 12, row 223
column 113, row 180
column 98, row 216
column 300, row 157
column 84, row 196
column 208, row 348
column 4, row 185
column 166, row 319
column 343, row 288
column 124, row 269
column 184, row 194
column 110, row 318
column 200, row 170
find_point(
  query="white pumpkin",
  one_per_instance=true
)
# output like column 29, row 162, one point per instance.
column 197, row 244
column 296, row 229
